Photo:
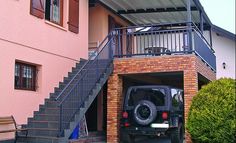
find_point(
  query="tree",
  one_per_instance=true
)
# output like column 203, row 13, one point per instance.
column 212, row 113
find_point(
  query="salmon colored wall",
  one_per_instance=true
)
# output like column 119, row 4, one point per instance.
column 98, row 22
column 30, row 39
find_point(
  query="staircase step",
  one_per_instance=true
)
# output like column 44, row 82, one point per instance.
column 52, row 96
column 50, row 101
column 43, row 124
column 50, row 132
column 46, row 117
column 89, row 139
column 96, row 133
column 36, row 113
column 37, row 139
column 48, row 110
column 55, row 104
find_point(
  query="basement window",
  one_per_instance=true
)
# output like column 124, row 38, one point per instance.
column 25, row 76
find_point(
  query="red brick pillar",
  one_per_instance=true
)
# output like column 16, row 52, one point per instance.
column 190, row 90
column 114, row 95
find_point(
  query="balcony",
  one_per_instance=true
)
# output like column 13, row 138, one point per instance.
column 162, row 27
column 162, row 40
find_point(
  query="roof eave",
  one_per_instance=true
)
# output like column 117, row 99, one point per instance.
column 224, row 32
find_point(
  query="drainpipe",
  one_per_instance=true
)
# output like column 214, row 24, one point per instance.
column 210, row 35
column 189, row 20
column 201, row 21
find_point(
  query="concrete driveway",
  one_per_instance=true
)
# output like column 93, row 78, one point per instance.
column 153, row 140
column 159, row 140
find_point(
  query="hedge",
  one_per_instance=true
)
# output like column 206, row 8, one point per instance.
column 212, row 113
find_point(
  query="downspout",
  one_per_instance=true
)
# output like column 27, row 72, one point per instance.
column 189, row 20
column 201, row 21
column 210, row 35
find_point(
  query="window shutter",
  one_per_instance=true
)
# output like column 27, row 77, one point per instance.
column 74, row 16
column 37, row 8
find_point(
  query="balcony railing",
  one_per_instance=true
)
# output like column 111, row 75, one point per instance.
column 163, row 39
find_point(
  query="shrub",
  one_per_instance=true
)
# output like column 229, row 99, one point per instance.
column 212, row 113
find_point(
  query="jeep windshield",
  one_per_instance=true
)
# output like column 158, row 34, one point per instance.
column 156, row 95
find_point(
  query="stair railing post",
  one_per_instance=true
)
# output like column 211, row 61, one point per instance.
column 82, row 94
column 119, row 43
column 60, row 121
column 111, row 45
column 97, row 69
column 189, row 24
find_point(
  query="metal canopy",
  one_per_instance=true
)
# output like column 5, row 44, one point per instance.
column 142, row 12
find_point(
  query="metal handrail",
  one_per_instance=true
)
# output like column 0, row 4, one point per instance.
column 97, row 50
column 194, row 26
column 151, row 25
column 202, row 36
column 63, row 99
column 159, row 31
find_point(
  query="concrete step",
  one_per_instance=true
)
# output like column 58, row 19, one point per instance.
column 46, row 117
column 48, row 110
column 37, row 139
column 55, row 104
column 96, row 133
column 47, row 132
column 43, row 124
column 39, row 113
column 92, row 137
column 52, row 96
column 88, row 140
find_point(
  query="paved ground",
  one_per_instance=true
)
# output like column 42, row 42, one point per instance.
column 157, row 140
column 154, row 140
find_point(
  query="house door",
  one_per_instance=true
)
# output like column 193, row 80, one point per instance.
column 117, row 45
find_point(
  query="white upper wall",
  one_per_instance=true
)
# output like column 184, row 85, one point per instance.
column 225, row 53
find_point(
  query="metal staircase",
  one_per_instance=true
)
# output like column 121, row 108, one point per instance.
column 63, row 110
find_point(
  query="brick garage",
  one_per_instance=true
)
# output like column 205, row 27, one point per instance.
column 190, row 65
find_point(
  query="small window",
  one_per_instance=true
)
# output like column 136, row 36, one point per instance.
column 54, row 11
column 25, row 76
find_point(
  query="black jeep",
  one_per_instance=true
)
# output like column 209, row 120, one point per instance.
column 153, row 111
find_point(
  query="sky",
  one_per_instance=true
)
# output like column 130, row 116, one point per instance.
column 221, row 13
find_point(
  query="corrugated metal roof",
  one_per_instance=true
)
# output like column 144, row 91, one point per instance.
column 139, row 4
column 160, row 11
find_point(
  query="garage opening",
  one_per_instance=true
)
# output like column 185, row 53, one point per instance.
column 202, row 81
column 147, row 106
column 174, row 79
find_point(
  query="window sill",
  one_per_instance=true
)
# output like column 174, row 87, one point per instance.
column 26, row 92
column 55, row 25
column 22, row 89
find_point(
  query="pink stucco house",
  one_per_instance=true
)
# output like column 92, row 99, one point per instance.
column 63, row 60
